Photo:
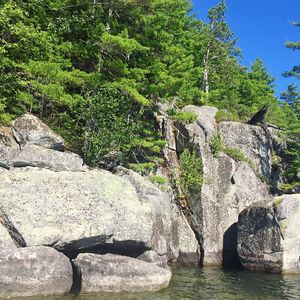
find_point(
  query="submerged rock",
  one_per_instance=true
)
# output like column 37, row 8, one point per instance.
column 28, row 129
column 37, row 156
column 36, row 271
column 269, row 237
column 115, row 273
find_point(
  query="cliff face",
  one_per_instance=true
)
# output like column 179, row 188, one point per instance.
column 232, row 179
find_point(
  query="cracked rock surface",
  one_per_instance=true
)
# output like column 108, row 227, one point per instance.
column 269, row 237
column 115, row 273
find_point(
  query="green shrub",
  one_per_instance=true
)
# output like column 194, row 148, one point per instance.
column 216, row 144
column 114, row 123
column 143, row 168
column 277, row 202
column 238, row 155
column 191, row 172
column 183, row 116
column 288, row 186
column 158, row 179
column 225, row 115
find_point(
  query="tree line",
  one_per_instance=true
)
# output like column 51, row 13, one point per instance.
column 95, row 70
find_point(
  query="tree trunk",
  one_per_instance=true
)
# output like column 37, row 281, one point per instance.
column 205, row 86
column 110, row 13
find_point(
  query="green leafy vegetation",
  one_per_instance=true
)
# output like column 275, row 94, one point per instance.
column 277, row 202
column 96, row 71
column 239, row 155
column 216, row 144
column 224, row 115
column 191, row 172
column 160, row 180
column 183, row 116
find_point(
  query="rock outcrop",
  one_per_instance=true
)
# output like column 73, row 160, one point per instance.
column 28, row 129
column 269, row 237
column 36, row 271
column 59, row 208
column 252, row 141
column 37, row 156
column 115, row 273
column 49, row 199
column 229, row 184
column 6, row 241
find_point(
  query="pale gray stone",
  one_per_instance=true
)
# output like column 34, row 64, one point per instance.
column 252, row 141
column 8, row 147
column 229, row 186
column 115, row 273
column 65, row 209
column 6, row 241
column 153, row 258
column 181, row 243
column 36, row 271
column 37, row 156
column 28, row 129
column 206, row 118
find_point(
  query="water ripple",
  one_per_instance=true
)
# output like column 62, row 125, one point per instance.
column 212, row 284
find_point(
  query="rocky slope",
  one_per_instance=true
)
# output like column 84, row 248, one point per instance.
column 48, row 198
column 56, row 211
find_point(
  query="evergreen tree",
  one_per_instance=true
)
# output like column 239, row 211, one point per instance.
column 291, row 108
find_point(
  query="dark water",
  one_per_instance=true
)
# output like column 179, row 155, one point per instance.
column 212, row 284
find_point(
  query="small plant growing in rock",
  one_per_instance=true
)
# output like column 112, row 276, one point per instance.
column 238, row 155
column 216, row 144
column 143, row 168
column 160, row 180
column 183, row 116
column 225, row 115
column 191, row 172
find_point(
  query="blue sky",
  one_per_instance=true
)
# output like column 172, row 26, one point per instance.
column 262, row 27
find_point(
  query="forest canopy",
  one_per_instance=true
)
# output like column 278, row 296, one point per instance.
column 96, row 71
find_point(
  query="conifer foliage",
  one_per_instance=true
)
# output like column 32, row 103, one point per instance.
column 95, row 71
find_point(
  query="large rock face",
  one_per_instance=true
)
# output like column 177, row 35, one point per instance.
column 28, row 129
column 229, row 185
column 252, row 141
column 65, row 209
column 269, row 237
column 6, row 241
column 115, row 273
column 34, row 272
column 183, row 246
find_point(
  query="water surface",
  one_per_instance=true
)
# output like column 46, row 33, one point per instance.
column 212, row 284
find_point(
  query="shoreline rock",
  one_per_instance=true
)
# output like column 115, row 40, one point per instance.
column 269, row 237
column 36, row 271
column 114, row 273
